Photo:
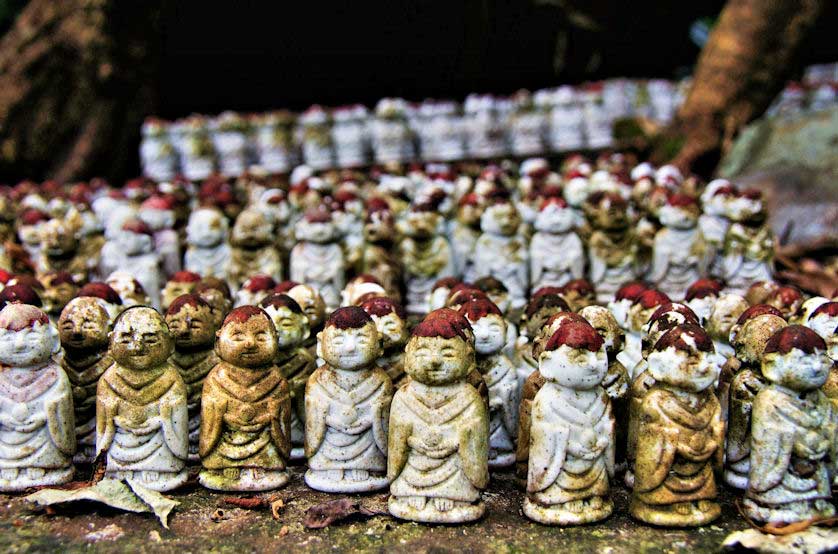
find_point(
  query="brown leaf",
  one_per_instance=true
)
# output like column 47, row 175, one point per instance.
column 323, row 515
column 277, row 506
column 785, row 528
column 246, row 502
column 284, row 531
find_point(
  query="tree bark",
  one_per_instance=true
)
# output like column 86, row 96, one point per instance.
column 77, row 77
column 750, row 54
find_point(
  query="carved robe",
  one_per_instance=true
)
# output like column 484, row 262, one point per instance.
column 743, row 390
column 528, row 392
column 748, row 256
column 506, row 259
column 84, row 372
column 793, row 443
column 36, row 426
column 438, row 442
column 321, row 266
column 679, row 259
column 425, row 261
column 193, row 368
column 245, row 418
column 572, row 445
column 347, row 419
column 555, row 259
column 296, row 365
column 209, row 261
column 245, row 262
column 680, row 438
column 142, row 421
column 613, row 261
column 504, row 400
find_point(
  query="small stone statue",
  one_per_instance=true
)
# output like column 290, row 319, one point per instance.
column 318, row 260
column 572, row 431
column 578, row 293
column 679, row 255
column 500, row 376
column 105, row 296
column 245, row 408
column 158, row 212
column 740, row 391
column 464, row 232
column 137, row 244
column 721, row 319
column 253, row 248
column 141, row 415
column 616, row 380
column 612, row 246
column 391, row 322
column 182, row 282
column 501, row 253
column 294, row 361
column 788, row 299
column 681, row 434
column 793, row 446
column 748, row 252
column 36, row 403
column 378, row 256
column 60, row 250
column 207, row 251
column 59, row 289
column 315, row 310
column 347, row 408
column 439, row 430
column 425, row 253
column 216, row 293
column 83, row 329
column 556, row 252
column 193, row 328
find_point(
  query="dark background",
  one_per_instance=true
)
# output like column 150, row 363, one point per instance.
column 253, row 56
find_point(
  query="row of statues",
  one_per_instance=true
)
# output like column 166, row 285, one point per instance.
column 520, row 345
column 158, row 392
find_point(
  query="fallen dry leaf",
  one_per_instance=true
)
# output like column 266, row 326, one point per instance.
column 276, row 507
column 246, row 502
column 323, row 515
column 284, row 531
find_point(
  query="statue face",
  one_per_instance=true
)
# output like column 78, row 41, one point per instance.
column 252, row 229
column 502, row 219
column 140, row 339
column 133, row 244
column 291, row 328
column 420, row 224
column 29, row 234
column 55, row 297
column 173, row 289
column 158, row 219
column 438, row 361
column 192, row 326
column 574, row 368
column 83, row 325
column 250, row 344
column 690, row 371
column 723, row 315
column 797, row 370
column 469, row 215
column 311, row 303
column 678, row 217
column 58, row 239
column 30, row 346
column 316, row 232
column 349, row 349
column 554, row 219
column 489, row 334
column 206, row 228
column 391, row 329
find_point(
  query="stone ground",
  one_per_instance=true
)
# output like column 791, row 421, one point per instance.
column 195, row 526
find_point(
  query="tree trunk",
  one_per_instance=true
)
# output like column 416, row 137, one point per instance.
column 750, row 54
column 77, row 77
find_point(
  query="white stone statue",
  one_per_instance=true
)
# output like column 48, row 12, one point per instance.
column 317, row 260
column 37, row 430
column 556, row 251
column 207, row 251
